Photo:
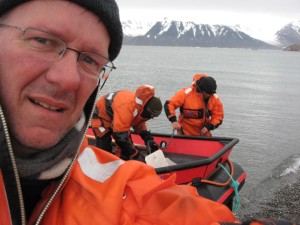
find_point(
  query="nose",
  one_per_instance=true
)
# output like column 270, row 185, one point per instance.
column 64, row 72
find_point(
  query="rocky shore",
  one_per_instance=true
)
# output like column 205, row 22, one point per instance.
column 276, row 198
column 295, row 48
column 285, row 205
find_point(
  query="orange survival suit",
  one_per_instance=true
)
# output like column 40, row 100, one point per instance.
column 195, row 112
column 116, row 113
column 99, row 188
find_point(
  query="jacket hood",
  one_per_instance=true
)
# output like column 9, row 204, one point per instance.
column 142, row 95
column 197, row 77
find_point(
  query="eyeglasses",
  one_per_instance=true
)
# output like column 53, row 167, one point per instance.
column 49, row 47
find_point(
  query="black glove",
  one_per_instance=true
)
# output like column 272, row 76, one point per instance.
column 152, row 145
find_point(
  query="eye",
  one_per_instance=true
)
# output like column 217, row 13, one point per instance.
column 42, row 41
column 45, row 46
column 89, row 60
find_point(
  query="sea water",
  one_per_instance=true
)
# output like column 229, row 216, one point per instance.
column 260, row 93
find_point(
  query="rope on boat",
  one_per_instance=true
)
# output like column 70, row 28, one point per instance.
column 235, row 185
column 225, row 183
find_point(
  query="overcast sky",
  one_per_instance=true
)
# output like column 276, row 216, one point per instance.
column 227, row 12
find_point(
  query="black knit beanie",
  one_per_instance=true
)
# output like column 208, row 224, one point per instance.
column 207, row 85
column 106, row 10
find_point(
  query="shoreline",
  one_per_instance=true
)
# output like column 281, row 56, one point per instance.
column 281, row 203
column 284, row 206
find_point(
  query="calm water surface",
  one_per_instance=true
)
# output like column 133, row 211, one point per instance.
column 259, row 90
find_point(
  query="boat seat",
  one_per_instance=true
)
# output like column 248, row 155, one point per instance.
column 179, row 158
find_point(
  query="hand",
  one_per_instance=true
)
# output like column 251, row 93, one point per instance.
column 152, row 145
column 176, row 125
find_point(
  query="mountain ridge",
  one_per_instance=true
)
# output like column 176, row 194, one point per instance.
column 178, row 33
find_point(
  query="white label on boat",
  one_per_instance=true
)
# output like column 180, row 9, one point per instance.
column 156, row 159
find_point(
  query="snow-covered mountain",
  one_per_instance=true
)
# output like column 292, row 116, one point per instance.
column 289, row 34
column 178, row 33
column 259, row 33
column 134, row 28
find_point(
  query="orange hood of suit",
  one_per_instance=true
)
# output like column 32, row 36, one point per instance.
column 102, row 189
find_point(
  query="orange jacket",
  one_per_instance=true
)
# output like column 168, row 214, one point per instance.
column 194, row 112
column 122, row 110
column 91, row 196
column 102, row 189
column 99, row 188
column 117, row 112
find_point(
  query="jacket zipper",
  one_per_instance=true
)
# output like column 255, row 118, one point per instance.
column 13, row 161
column 40, row 217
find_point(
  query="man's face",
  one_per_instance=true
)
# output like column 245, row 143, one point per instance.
column 42, row 100
column 206, row 95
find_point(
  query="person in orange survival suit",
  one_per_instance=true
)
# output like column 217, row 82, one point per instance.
column 117, row 112
column 48, row 173
column 201, row 110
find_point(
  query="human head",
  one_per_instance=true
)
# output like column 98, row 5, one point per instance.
column 154, row 106
column 206, row 84
column 43, row 100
